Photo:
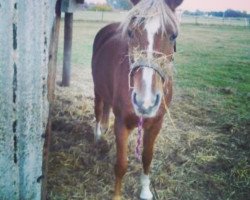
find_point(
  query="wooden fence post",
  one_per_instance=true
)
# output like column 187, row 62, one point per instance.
column 68, row 7
column 247, row 22
column 52, row 66
column 196, row 20
column 68, row 29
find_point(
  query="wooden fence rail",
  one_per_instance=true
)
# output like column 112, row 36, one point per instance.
column 119, row 15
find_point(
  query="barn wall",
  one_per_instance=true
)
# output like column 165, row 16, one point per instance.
column 25, row 29
column 8, row 169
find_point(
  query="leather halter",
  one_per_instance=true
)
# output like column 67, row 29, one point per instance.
column 163, row 71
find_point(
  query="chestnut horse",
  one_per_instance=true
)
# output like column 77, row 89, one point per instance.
column 132, row 72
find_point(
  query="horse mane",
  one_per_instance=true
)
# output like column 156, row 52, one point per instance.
column 145, row 10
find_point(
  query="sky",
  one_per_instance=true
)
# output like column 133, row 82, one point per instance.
column 208, row 5
column 216, row 5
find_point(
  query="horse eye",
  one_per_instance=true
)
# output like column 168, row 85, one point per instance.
column 142, row 20
column 173, row 37
column 133, row 18
column 130, row 34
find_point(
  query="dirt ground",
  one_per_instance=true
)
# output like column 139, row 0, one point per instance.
column 79, row 169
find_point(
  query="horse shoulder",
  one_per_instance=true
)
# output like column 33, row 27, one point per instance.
column 106, row 54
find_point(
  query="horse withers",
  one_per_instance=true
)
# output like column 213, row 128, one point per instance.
column 132, row 71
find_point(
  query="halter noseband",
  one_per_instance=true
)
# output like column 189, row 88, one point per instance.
column 149, row 64
column 162, row 69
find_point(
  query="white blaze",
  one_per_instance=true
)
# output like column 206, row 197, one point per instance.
column 152, row 28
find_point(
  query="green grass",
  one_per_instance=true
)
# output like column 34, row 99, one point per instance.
column 84, row 33
column 213, row 67
column 215, row 61
column 211, row 158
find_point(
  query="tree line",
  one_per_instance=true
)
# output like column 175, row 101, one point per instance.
column 226, row 13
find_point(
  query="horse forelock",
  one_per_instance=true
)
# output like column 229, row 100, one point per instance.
column 145, row 10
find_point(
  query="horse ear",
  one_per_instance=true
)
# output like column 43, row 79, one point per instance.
column 134, row 1
column 173, row 4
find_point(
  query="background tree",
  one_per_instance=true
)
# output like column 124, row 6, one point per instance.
column 120, row 4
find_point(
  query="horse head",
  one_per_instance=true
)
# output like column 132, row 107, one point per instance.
column 151, row 29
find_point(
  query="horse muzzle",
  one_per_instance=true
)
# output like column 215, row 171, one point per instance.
column 146, row 107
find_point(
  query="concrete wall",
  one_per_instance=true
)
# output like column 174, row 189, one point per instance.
column 25, row 29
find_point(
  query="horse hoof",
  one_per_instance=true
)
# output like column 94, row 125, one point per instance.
column 146, row 194
column 117, row 198
column 146, row 199
column 96, row 141
column 104, row 129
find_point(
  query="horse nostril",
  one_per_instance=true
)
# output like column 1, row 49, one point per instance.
column 157, row 99
column 134, row 98
column 136, row 101
column 146, row 106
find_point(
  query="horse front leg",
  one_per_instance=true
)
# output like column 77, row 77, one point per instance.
column 105, row 118
column 98, row 115
column 121, row 133
column 147, row 155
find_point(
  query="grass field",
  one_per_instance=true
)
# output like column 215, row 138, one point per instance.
column 206, row 157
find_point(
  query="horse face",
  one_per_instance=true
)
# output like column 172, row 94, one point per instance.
column 150, row 50
column 147, row 92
